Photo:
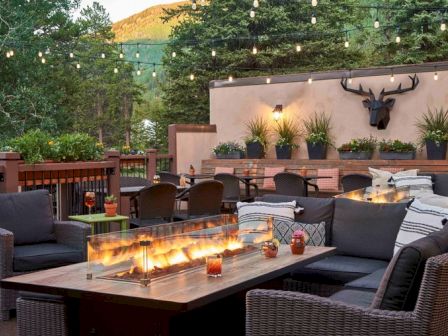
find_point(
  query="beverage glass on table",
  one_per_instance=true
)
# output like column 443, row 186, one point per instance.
column 214, row 266
column 89, row 201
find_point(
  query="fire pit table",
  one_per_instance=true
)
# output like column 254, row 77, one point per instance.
column 152, row 281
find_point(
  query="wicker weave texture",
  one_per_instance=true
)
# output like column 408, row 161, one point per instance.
column 271, row 312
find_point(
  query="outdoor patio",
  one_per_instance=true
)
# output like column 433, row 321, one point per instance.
column 224, row 168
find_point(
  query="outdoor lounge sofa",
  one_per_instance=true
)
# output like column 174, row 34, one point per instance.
column 361, row 290
column 31, row 240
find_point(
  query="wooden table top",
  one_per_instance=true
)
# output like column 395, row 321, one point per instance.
column 179, row 292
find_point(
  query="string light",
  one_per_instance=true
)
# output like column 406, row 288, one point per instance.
column 192, row 77
column 137, row 54
column 154, row 74
column 8, row 55
column 252, row 13
column 398, row 39
column 254, row 50
column 436, row 75
column 11, row 53
column 298, row 48
column 121, row 55
column 115, row 70
column 346, row 42
column 173, row 54
column 443, row 26
column 376, row 24
column 194, row 6
column 392, row 77
column 256, row 4
column 230, row 78
column 268, row 80
column 139, row 72
column 71, row 55
column 78, row 65
column 43, row 60
column 313, row 19
column 40, row 54
column 310, row 80
column 314, row 3
column 103, row 55
column 350, row 79
column 213, row 53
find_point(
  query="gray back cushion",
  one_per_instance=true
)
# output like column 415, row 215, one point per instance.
column 441, row 184
column 400, row 285
column 317, row 210
column 28, row 215
column 366, row 229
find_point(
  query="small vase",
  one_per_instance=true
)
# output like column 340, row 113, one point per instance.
column 111, row 209
column 269, row 250
column 297, row 245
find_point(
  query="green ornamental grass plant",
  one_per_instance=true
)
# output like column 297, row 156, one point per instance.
column 288, row 132
column 317, row 129
column 258, row 131
column 433, row 126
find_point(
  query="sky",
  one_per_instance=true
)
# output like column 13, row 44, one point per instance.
column 121, row 9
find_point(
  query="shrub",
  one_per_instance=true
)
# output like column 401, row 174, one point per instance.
column 34, row 146
column 359, row 145
column 396, row 146
column 77, row 147
column 227, row 148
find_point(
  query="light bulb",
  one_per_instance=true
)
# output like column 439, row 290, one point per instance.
column 139, row 72
column 350, row 80
column 392, row 78
column 78, row 66
column 443, row 26
column 71, row 55
column 40, row 54
column 256, row 4
column 252, row 13
column 436, row 76
column 310, row 80
column 377, row 23
column 103, row 55
column 194, row 6
column 268, row 80
column 254, row 50
column 192, row 77
column 230, row 78
column 116, row 70
column 298, row 48
column 11, row 53
column 398, row 39
column 347, row 44
column 8, row 55
column 173, row 54
column 121, row 55
column 154, row 74
column 314, row 3
column 313, row 19
column 43, row 60
column 213, row 53
column 137, row 54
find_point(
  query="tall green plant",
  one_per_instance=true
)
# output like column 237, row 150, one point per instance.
column 433, row 125
column 258, row 131
column 317, row 129
column 288, row 132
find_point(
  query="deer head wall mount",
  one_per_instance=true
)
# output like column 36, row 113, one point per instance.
column 379, row 109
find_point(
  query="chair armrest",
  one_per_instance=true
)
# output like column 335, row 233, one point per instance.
column 182, row 193
column 73, row 234
column 6, row 253
column 271, row 312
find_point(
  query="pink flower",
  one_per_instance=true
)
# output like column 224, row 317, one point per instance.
column 298, row 234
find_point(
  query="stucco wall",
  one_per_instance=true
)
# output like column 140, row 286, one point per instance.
column 232, row 107
column 192, row 148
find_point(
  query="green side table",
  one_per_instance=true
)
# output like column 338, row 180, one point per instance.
column 102, row 222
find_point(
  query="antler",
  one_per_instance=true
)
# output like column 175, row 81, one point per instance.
column 415, row 81
column 360, row 91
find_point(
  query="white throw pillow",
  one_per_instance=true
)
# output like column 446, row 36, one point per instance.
column 381, row 177
column 420, row 221
column 419, row 186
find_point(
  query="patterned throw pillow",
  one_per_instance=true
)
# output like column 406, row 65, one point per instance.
column 283, row 231
column 418, row 185
column 421, row 220
column 381, row 177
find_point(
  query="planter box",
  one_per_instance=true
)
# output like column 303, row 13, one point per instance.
column 397, row 156
column 317, row 151
column 255, row 150
column 283, row 152
column 230, row 156
column 436, row 152
column 355, row 155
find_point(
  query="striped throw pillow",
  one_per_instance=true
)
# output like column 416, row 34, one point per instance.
column 420, row 220
column 254, row 216
column 418, row 185
column 382, row 177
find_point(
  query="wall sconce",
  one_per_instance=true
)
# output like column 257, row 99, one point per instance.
column 278, row 112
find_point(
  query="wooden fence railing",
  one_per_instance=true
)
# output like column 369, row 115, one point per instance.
column 146, row 165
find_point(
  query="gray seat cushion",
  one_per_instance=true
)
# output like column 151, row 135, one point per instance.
column 441, row 184
column 338, row 269
column 354, row 297
column 365, row 229
column 369, row 282
column 400, row 285
column 28, row 215
column 46, row 255
column 317, row 210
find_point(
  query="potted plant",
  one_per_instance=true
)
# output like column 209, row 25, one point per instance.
column 317, row 135
column 287, row 131
column 397, row 150
column 110, row 205
column 257, row 139
column 229, row 150
column 433, row 128
column 358, row 149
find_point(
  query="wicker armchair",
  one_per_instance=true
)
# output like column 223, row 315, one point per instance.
column 291, row 184
column 232, row 190
column 69, row 240
column 270, row 312
column 169, row 178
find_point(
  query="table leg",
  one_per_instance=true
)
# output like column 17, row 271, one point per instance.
column 124, row 225
column 92, row 228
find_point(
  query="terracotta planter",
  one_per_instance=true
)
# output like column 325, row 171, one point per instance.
column 111, row 209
